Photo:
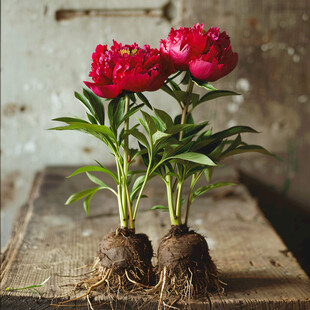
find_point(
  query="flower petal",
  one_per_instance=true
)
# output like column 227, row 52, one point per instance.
column 103, row 90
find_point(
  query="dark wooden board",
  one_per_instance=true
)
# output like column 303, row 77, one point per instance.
column 51, row 239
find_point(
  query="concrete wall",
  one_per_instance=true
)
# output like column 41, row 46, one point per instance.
column 46, row 49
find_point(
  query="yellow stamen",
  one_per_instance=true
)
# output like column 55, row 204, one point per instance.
column 127, row 51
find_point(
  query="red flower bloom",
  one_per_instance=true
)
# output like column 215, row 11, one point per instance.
column 217, row 60
column 207, row 55
column 183, row 45
column 127, row 67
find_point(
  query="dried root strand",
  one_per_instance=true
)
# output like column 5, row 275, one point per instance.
column 105, row 277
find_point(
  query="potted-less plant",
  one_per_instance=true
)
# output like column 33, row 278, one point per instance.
column 120, row 74
column 185, row 267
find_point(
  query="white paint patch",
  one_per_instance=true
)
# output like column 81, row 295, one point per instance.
column 290, row 51
column 48, row 49
column 233, row 107
column 87, row 233
column 302, row 98
column 296, row 58
column 30, row 147
column 26, row 87
column 266, row 47
column 198, row 222
column 243, row 85
column 238, row 99
column 56, row 100
column 34, row 84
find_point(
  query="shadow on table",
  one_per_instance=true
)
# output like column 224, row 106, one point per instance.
column 289, row 218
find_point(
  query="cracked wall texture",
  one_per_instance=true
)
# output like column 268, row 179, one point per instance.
column 46, row 54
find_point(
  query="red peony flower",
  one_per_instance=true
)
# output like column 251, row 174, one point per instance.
column 207, row 55
column 217, row 60
column 183, row 45
column 129, row 68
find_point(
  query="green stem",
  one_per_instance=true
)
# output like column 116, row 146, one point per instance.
column 185, row 113
column 142, row 188
column 174, row 220
column 179, row 201
column 126, row 199
column 189, row 200
column 187, row 103
column 121, row 207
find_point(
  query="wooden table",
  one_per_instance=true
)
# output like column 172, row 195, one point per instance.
column 52, row 240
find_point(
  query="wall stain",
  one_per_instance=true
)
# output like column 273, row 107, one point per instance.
column 8, row 187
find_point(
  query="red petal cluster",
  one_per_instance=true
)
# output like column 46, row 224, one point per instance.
column 206, row 54
column 129, row 68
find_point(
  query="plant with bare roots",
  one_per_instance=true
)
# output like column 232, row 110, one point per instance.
column 120, row 75
column 192, row 150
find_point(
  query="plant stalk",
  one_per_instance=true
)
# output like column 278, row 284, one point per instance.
column 125, row 196
column 179, row 201
column 174, row 220
column 142, row 188
column 189, row 201
column 187, row 102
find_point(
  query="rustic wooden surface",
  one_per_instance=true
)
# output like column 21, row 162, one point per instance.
column 50, row 239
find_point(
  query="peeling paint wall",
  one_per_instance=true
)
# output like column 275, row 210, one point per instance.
column 46, row 54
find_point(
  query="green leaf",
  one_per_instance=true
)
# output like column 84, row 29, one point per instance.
column 208, row 173
column 106, row 131
column 119, row 112
column 160, row 125
column 234, row 144
column 69, row 120
column 159, row 136
column 131, row 112
column 232, row 131
column 195, row 158
column 139, row 153
column 158, row 140
column 182, row 95
column 216, row 94
column 150, row 123
column 245, row 149
column 144, row 100
column 92, row 169
column 136, row 187
column 132, row 97
column 174, row 76
column 85, row 102
column 203, row 189
column 169, row 91
column 91, row 118
column 202, row 84
column 140, row 136
column 97, row 105
column 116, row 112
column 77, row 196
column 96, row 180
column 87, row 202
column 186, row 78
column 165, row 117
column 174, row 85
column 187, row 128
column 160, row 207
column 100, row 183
column 28, row 287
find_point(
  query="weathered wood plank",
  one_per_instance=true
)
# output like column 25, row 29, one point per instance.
column 51, row 239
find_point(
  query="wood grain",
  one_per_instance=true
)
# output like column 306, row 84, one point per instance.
column 50, row 239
